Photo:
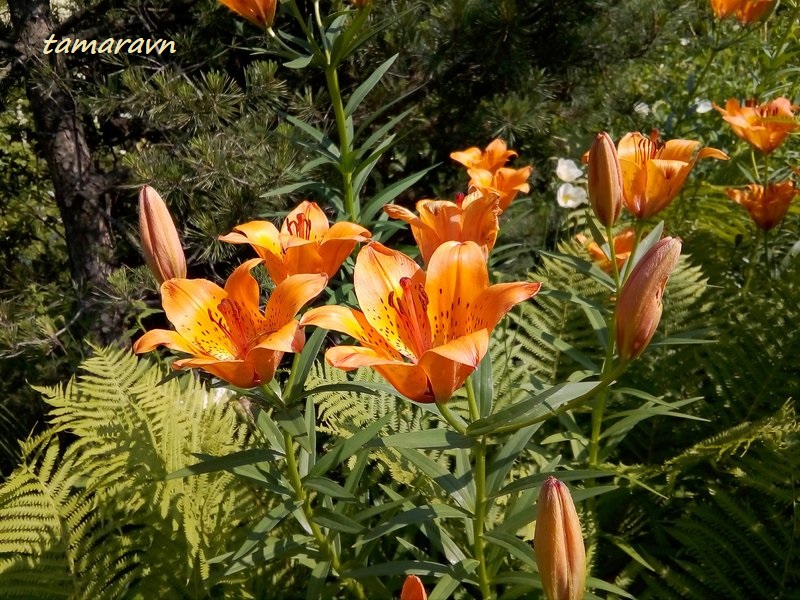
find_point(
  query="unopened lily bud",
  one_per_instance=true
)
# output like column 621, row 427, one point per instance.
column 413, row 589
column 558, row 543
column 160, row 243
column 605, row 180
column 639, row 306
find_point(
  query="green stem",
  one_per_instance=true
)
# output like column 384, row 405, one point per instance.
column 638, row 228
column 613, row 253
column 325, row 545
column 345, row 143
column 479, row 522
column 605, row 381
column 474, row 413
column 451, row 419
column 751, row 267
column 600, row 403
column 755, row 165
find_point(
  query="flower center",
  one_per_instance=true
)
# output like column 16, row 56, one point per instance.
column 411, row 307
column 300, row 227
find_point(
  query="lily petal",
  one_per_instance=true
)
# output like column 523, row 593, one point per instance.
column 238, row 372
column 448, row 366
column 192, row 306
column 350, row 322
column 264, row 237
column 457, row 275
column 407, row 378
column 306, row 221
column 397, row 313
column 290, row 296
column 163, row 337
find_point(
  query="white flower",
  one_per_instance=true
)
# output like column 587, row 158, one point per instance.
column 703, row 106
column 570, row 196
column 641, row 108
column 567, row 170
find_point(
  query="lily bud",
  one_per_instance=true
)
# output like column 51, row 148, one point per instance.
column 639, row 306
column 558, row 543
column 605, row 180
column 413, row 589
column 160, row 243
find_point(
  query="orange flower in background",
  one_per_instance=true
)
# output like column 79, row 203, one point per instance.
column 260, row 13
column 305, row 243
column 474, row 218
column 558, row 543
column 750, row 11
column 763, row 126
column 724, row 8
column 639, row 307
column 746, row 11
column 224, row 329
column 505, row 183
column 489, row 175
column 767, row 205
column 653, row 172
column 623, row 246
column 495, row 156
column 160, row 242
column 413, row 589
column 423, row 332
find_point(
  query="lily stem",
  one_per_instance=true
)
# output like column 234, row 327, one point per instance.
column 345, row 143
column 613, row 256
column 451, row 419
column 326, row 547
column 479, row 522
column 751, row 266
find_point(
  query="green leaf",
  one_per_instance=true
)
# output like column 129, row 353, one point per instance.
column 412, row 516
column 582, row 266
column 300, row 370
column 398, row 567
column 346, row 448
column 535, row 481
column 212, row 464
column 287, row 189
column 359, row 387
column 429, row 438
column 483, row 385
column 264, row 526
column 299, row 63
column 366, row 86
column 501, row 462
column 514, row 546
column 327, row 487
column 452, row 580
column 457, row 489
column 648, row 242
column 316, row 584
column 291, row 420
column 337, row 521
column 391, row 192
column 599, row 584
column 532, row 409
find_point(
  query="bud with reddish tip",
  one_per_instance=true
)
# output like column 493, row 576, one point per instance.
column 639, row 306
column 413, row 589
column 605, row 180
column 160, row 243
column 558, row 543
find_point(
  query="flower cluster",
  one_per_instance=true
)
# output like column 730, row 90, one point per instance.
column 765, row 127
column 746, row 11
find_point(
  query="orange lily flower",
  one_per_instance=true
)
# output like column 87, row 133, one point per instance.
column 746, row 11
column 750, row 11
column 413, row 589
column 424, row 333
column 305, row 243
column 767, row 205
column 224, row 329
column 260, row 13
column 623, row 246
column 653, row 172
column 763, row 126
column 495, row 156
column 724, row 8
column 506, row 183
column 474, row 218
